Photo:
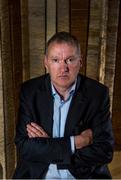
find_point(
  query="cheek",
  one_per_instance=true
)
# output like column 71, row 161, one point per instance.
column 75, row 71
column 53, row 71
column 78, row 68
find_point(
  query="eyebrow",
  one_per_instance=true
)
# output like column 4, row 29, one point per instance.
column 72, row 56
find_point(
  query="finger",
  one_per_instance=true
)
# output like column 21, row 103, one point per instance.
column 36, row 126
column 32, row 130
column 39, row 128
column 31, row 134
column 87, row 132
column 35, row 132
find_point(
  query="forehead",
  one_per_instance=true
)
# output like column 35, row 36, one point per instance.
column 61, row 48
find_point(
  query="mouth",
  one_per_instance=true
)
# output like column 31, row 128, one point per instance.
column 63, row 76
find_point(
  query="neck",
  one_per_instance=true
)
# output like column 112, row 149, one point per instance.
column 63, row 92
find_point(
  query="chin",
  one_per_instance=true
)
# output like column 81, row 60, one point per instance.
column 65, row 84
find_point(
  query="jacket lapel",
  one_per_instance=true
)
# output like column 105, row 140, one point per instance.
column 74, row 124
column 45, row 106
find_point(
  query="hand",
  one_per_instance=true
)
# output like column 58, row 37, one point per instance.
column 35, row 130
column 83, row 139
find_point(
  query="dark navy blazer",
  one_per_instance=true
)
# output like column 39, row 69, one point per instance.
column 89, row 109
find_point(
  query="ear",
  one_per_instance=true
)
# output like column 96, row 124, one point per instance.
column 46, row 63
column 81, row 61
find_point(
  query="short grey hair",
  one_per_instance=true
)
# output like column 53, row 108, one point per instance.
column 64, row 37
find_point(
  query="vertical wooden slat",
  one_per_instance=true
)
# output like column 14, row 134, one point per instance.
column 16, row 48
column 112, row 29
column 50, row 18
column 63, row 15
column 2, row 134
column 79, row 25
column 8, row 95
column 102, row 44
column 25, row 39
column 93, row 52
column 37, row 36
column 103, row 40
column 116, row 109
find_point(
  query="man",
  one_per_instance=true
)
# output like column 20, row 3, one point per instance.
column 64, row 129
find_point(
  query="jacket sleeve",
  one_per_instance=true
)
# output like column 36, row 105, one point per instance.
column 45, row 150
column 100, row 152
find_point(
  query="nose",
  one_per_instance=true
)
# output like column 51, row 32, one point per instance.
column 64, row 66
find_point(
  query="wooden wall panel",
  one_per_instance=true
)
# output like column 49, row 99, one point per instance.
column 23, row 50
column 112, row 32
column 2, row 134
column 36, row 36
column 50, row 18
column 102, row 43
column 79, row 20
column 63, row 10
column 103, row 40
column 117, row 90
column 25, row 40
column 8, row 93
column 93, row 52
column 16, row 48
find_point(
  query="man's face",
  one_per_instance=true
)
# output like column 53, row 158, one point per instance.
column 63, row 64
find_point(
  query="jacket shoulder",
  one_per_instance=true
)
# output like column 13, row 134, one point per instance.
column 92, row 83
column 35, row 83
column 93, row 88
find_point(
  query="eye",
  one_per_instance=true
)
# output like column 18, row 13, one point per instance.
column 54, row 60
column 70, row 61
